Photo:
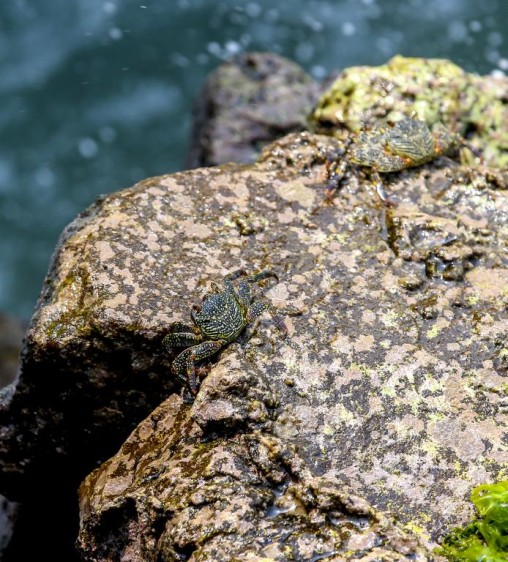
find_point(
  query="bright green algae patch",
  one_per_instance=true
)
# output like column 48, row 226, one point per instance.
column 486, row 539
column 431, row 90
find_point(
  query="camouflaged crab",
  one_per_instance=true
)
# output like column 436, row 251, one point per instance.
column 405, row 144
column 221, row 318
column 394, row 147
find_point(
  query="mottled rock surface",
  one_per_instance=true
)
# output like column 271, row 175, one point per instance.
column 388, row 395
column 247, row 103
column 391, row 384
column 173, row 494
column 431, row 90
column 87, row 373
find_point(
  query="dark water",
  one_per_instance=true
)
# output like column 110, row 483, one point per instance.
column 95, row 95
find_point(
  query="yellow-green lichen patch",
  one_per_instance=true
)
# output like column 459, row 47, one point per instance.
column 70, row 315
column 431, row 90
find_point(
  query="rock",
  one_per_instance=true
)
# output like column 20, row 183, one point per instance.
column 246, row 104
column 8, row 514
column 387, row 398
column 252, row 497
column 432, row 90
column 389, row 385
column 87, row 376
column 11, row 334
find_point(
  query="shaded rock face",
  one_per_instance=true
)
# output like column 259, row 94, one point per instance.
column 246, row 104
column 391, row 383
column 11, row 335
column 8, row 512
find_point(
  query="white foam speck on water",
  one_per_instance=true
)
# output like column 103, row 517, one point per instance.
column 88, row 148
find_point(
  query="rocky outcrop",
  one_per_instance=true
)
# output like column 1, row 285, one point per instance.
column 247, row 103
column 244, row 496
column 359, row 435
column 431, row 90
column 389, row 384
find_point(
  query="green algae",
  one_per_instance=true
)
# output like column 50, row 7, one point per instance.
column 486, row 538
column 74, row 319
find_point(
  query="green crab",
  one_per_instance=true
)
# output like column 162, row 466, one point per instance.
column 392, row 147
column 221, row 318
column 404, row 144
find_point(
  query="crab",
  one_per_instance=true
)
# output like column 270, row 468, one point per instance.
column 394, row 147
column 405, row 144
column 221, row 318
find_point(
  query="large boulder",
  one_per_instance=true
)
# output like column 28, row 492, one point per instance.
column 390, row 384
column 360, row 434
column 245, row 104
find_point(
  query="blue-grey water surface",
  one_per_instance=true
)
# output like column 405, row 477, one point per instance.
column 95, row 94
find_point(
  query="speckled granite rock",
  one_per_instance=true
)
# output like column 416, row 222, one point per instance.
column 247, row 103
column 392, row 383
column 245, row 496
column 391, row 387
column 87, row 373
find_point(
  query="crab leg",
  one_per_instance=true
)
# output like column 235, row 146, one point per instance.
column 258, row 308
column 184, row 365
column 380, row 190
column 235, row 275
column 181, row 339
column 262, row 275
column 251, row 278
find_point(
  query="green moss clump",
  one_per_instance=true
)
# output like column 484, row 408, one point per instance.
column 485, row 539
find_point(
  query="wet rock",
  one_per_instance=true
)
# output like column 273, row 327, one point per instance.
column 432, row 90
column 246, row 104
column 387, row 396
column 390, row 384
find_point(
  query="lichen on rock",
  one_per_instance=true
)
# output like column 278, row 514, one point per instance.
column 179, row 499
column 368, row 390
column 357, row 436
column 431, row 90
